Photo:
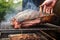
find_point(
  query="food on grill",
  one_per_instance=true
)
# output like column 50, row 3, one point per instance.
column 24, row 37
column 26, row 15
column 30, row 15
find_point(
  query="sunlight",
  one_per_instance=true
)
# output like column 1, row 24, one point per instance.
column 7, row 0
column 16, row 1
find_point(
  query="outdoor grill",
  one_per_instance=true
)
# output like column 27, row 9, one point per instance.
column 39, row 31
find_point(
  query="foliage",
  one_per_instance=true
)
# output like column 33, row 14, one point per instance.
column 4, row 6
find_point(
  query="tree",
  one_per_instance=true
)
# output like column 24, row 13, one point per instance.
column 4, row 6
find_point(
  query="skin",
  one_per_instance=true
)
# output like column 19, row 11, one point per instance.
column 46, row 7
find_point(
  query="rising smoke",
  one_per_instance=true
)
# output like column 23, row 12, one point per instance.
column 30, row 5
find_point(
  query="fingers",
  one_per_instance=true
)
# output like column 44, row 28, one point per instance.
column 48, row 10
column 48, row 5
column 44, row 9
column 51, row 10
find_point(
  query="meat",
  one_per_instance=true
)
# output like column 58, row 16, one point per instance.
column 26, row 15
column 24, row 37
column 29, row 15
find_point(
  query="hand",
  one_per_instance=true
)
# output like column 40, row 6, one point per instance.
column 48, row 5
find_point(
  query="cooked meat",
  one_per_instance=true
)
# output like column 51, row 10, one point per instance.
column 25, row 37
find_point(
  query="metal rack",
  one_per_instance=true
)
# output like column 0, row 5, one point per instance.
column 29, row 30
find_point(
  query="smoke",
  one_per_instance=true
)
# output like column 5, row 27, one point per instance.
column 6, row 23
column 8, row 17
column 30, row 5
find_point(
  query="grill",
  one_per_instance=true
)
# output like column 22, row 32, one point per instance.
column 38, row 31
column 43, row 35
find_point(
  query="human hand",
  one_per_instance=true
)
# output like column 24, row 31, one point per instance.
column 48, row 6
